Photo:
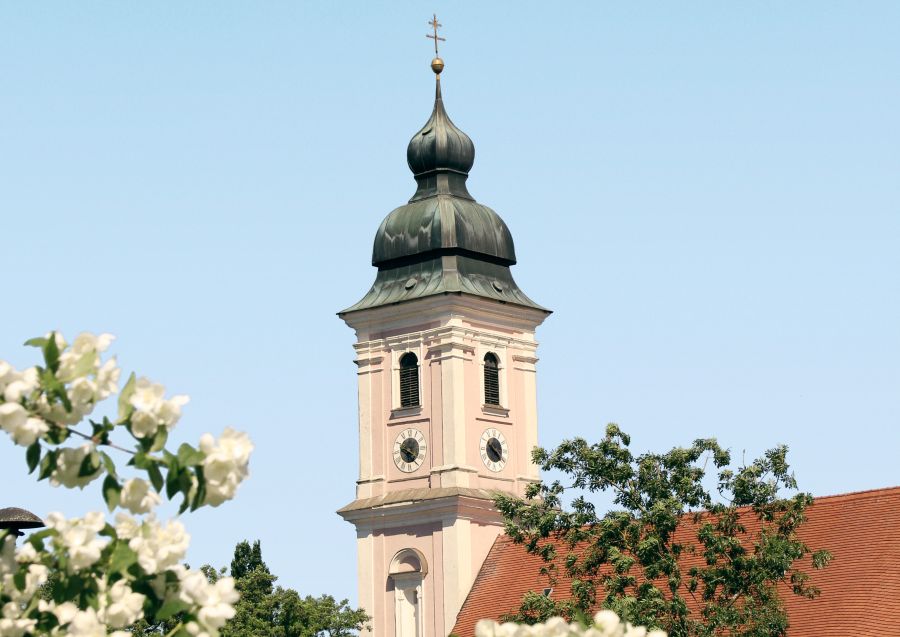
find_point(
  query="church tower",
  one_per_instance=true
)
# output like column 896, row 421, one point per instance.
column 446, row 354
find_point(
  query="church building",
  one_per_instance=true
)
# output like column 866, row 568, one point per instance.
column 446, row 355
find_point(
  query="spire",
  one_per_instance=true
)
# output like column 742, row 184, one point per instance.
column 442, row 241
column 440, row 155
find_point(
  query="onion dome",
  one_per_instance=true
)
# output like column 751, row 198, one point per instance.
column 440, row 145
column 442, row 241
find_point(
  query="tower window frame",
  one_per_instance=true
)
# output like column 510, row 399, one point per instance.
column 491, row 379
column 408, row 380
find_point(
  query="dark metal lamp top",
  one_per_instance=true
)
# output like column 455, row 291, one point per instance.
column 16, row 519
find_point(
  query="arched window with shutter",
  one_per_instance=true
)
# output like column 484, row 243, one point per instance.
column 491, row 379
column 409, row 380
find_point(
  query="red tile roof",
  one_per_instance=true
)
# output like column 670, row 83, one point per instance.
column 860, row 587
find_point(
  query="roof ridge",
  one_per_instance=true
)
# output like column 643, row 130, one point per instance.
column 864, row 493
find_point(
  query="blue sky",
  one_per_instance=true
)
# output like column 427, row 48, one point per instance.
column 705, row 193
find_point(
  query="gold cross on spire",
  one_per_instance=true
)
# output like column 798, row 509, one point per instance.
column 435, row 25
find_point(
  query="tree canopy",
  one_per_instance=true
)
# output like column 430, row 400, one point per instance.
column 672, row 553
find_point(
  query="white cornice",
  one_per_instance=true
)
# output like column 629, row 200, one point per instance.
column 441, row 338
column 439, row 307
column 437, row 508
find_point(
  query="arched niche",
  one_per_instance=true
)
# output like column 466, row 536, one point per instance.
column 407, row 571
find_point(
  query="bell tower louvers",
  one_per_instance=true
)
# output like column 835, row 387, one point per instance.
column 446, row 356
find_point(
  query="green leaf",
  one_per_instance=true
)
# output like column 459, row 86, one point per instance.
column 54, row 388
column 51, row 353
column 37, row 538
column 48, row 464
column 89, row 466
column 33, row 456
column 19, row 580
column 156, row 477
column 189, row 457
column 200, row 496
column 121, row 558
column 125, row 406
column 39, row 341
column 142, row 461
column 109, row 464
column 85, row 365
column 171, row 607
column 172, row 479
column 111, row 492
column 57, row 435
column 159, row 440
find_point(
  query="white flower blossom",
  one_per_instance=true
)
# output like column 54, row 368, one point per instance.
column 216, row 601
column 17, row 385
column 79, row 537
column 16, row 627
column 152, row 410
column 108, row 379
column 23, row 429
column 126, row 526
column 121, row 607
column 82, row 393
column 225, row 465
column 606, row 624
column 159, row 547
column 86, row 623
column 86, row 347
column 6, row 372
column 137, row 497
column 27, row 554
column 65, row 612
column 68, row 466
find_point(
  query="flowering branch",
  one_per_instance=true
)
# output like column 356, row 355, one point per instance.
column 83, row 576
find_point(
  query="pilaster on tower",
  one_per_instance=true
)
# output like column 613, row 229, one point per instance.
column 445, row 356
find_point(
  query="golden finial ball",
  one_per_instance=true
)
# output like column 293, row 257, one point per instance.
column 437, row 65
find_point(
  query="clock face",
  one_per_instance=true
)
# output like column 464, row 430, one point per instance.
column 409, row 450
column 494, row 450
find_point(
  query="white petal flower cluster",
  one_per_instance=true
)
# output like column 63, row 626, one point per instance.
column 15, row 385
column 226, row 464
column 75, row 622
column 137, row 497
column 18, row 627
column 121, row 606
column 23, row 428
column 72, row 360
column 215, row 601
column 12, row 622
column 158, row 547
column 79, row 537
column 33, row 408
column 152, row 410
column 68, row 466
column 606, row 624
column 87, row 380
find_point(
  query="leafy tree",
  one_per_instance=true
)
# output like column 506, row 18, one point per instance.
column 265, row 610
column 247, row 559
column 672, row 554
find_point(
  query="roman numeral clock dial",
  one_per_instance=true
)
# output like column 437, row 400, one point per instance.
column 493, row 449
column 409, row 450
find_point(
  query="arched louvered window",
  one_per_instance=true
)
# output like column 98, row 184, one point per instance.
column 409, row 380
column 491, row 379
